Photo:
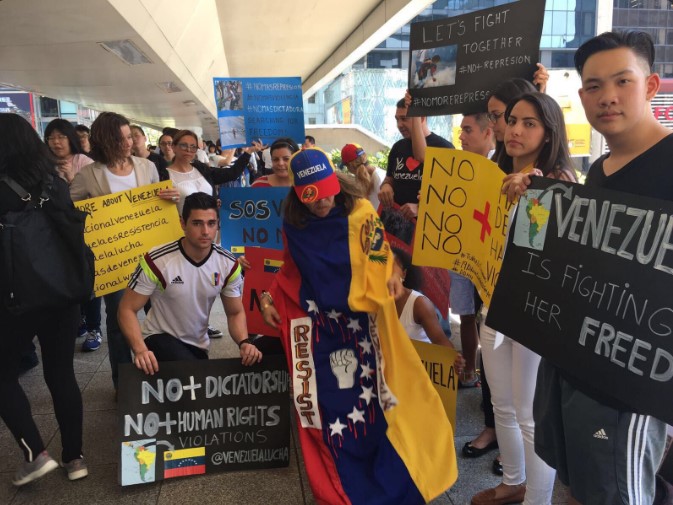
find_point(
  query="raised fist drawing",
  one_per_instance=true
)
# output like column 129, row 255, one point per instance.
column 344, row 365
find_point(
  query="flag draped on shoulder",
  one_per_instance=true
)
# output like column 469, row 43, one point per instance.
column 371, row 426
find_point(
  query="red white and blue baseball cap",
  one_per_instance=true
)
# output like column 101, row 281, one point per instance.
column 312, row 175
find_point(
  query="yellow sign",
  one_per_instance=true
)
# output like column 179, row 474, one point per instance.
column 438, row 362
column 122, row 227
column 579, row 139
column 462, row 217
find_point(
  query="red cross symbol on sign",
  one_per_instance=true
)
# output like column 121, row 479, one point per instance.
column 482, row 217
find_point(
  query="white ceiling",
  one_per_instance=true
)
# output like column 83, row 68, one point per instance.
column 51, row 47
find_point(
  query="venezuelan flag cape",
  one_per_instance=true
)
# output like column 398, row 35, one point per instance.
column 372, row 428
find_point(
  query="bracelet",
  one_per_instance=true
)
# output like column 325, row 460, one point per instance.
column 268, row 295
column 245, row 341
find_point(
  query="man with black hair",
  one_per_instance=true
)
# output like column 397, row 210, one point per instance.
column 309, row 142
column 604, row 451
column 405, row 161
column 182, row 279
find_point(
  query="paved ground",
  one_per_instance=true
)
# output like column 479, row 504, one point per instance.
column 278, row 487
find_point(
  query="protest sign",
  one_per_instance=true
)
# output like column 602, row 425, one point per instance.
column 259, row 108
column 251, row 217
column 264, row 265
column 203, row 416
column 585, row 284
column 462, row 217
column 456, row 62
column 122, row 227
column 400, row 235
column 438, row 362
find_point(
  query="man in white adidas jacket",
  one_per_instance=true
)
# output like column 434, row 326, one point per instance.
column 182, row 280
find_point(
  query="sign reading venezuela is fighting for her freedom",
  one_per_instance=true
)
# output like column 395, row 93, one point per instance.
column 122, row 227
column 462, row 217
column 586, row 283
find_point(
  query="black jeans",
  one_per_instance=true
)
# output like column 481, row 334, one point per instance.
column 55, row 329
column 168, row 348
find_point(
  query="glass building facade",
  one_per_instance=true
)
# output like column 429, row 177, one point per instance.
column 654, row 17
column 376, row 82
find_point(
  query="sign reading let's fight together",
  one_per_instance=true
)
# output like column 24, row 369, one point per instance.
column 123, row 226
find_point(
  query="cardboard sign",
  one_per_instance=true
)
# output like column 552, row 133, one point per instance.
column 456, row 62
column 122, row 227
column 586, row 284
column 251, row 217
column 202, row 416
column 438, row 362
column 400, row 234
column 462, row 217
column 260, row 108
column 265, row 263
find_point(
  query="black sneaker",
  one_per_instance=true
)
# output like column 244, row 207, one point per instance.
column 214, row 332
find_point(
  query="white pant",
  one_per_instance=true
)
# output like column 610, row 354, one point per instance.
column 512, row 374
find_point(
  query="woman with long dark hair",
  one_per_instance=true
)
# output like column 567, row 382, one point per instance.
column 534, row 141
column 27, row 160
column 339, row 326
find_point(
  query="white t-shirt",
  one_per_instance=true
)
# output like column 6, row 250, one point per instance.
column 188, row 183
column 377, row 178
column 119, row 183
column 183, row 292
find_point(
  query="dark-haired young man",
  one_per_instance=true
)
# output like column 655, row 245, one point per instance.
column 182, row 279
column 606, row 453
column 405, row 161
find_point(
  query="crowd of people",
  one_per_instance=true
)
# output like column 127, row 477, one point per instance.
column 540, row 419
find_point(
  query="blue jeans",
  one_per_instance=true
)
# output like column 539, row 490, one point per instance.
column 119, row 350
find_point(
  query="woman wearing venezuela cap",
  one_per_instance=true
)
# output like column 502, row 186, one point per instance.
column 372, row 428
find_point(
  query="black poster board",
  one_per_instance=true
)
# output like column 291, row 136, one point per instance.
column 456, row 62
column 586, row 283
column 196, row 417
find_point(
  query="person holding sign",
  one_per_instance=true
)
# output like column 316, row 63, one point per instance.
column 405, row 160
column 182, row 280
column 416, row 312
column 114, row 170
column 371, row 425
column 191, row 176
column 618, row 86
column 535, row 138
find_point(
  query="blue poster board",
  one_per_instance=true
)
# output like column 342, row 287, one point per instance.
column 254, row 108
column 251, row 217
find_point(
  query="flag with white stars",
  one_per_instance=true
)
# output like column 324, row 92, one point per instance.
column 371, row 426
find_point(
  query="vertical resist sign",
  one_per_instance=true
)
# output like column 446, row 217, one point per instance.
column 197, row 417
column 456, row 62
column 586, row 284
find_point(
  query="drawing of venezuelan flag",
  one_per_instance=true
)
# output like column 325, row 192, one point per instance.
column 372, row 428
column 272, row 266
column 184, row 462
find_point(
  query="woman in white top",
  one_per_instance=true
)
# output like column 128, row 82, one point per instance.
column 114, row 170
column 63, row 142
column 416, row 312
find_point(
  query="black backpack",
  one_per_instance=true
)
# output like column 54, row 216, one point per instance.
column 45, row 262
